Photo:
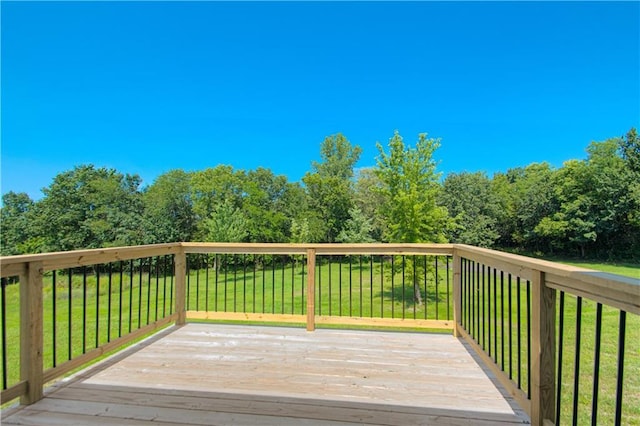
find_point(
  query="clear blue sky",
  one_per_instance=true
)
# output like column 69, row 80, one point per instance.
column 145, row 87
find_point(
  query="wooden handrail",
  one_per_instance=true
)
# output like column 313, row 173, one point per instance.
column 13, row 265
column 320, row 248
column 609, row 289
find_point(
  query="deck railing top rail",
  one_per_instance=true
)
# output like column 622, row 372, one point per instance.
column 12, row 265
column 602, row 287
column 320, row 248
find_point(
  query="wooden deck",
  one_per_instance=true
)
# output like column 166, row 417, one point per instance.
column 211, row 374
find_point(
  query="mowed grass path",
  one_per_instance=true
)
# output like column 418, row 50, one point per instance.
column 348, row 288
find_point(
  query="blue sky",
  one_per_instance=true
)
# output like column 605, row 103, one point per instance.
column 146, row 87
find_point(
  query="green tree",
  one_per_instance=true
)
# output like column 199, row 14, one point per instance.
column 16, row 229
column 300, row 232
column 532, row 199
column 226, row 224
column 294, row 201
column 368, row 198
column 630, row 151
column 472, row 203
column 357, row 229
column 212, row 186
column 588, row 207
column 90, row 207
column 630, row 227
column 330, row 187
column 168, row 209
column 571, row 226
column 609, row 185
column 264, row 206
column 506, row 223
column 409, row 186
column 410, row 189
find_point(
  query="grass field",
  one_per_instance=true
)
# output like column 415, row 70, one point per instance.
column 95, row 311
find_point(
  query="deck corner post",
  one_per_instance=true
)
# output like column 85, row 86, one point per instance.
column 181, row 286
column 311, row 290
column 543, row 341
column 457, row 293
column 31, row 329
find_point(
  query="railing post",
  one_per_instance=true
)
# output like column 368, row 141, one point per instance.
column 457, row 293
column 311, row 289
column 181, row 285
column 543, row 346
column 31, row 340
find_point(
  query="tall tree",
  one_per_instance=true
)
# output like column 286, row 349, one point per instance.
column 368, row 198
column 609, row 185
column 472, row 203
column 168, row 208
column 227, row 224
column 212, row 186
column 17, row 232
column 586, row 207
column 506, row 223
column 630, row 150
column 571, row 226
column 264, row 206
column 630, row 147
column 410, row 189
column 330, row 187
column 90, row 207
column 532, row 198
column 358, row 228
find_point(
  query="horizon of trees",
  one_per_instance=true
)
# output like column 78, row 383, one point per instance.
column 587, row 208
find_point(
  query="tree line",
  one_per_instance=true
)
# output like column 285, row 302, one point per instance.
column 588, row 208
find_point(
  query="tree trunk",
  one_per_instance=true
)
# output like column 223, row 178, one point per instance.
column 417, row 296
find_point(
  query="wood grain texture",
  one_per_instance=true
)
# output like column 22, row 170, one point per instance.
column 180, row 265
column 509, row 385
column 76, row 258
column 31, row 340
column 79, row 361
column 208, row 374
column 457, row 295
column 311, row 290
column 320, row 249
column 543, row 355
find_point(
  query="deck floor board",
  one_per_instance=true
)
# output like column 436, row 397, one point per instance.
column 210, row 374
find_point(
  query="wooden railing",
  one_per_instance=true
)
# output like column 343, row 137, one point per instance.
column 513, row 311
column 87, row 303
column 67, row 309
column 352, row 284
